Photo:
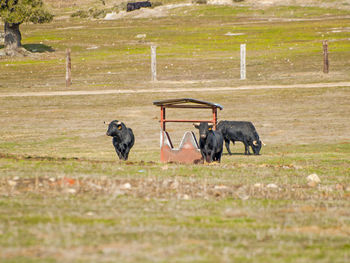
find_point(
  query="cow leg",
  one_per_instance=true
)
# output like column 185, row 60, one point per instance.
column 124, row 151
column 117, row 150
column 227, row 144
column 126, row 154
column 218, row 156
column 211, row 156
column 246, row 150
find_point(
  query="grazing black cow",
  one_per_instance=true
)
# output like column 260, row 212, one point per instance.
column 210, row 142
column 123, row 138
column 243, row 131
column 137, row 5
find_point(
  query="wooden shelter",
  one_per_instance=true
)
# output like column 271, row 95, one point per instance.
column 188, row 151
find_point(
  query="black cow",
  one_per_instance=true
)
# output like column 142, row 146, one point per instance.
column 210, row 142
column 137, row 5
column 123, row 138
column 243, row 131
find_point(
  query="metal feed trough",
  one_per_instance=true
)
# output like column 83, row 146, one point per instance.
column 188, row 151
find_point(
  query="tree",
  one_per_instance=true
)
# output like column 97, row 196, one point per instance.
column 15, row 12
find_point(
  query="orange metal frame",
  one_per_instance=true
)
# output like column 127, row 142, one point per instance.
column 188, row 152
column 163, row 119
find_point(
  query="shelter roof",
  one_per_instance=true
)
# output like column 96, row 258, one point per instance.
column 187, row 103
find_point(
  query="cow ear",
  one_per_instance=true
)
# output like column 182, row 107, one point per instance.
column 196, row 125
column 255, row 143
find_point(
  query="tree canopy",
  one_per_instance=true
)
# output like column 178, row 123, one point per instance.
column 20, row 11
column 16, row 12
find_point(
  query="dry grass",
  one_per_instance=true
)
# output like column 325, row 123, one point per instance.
column 64, row 197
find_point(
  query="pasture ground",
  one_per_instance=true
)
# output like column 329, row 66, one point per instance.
column 64, row 196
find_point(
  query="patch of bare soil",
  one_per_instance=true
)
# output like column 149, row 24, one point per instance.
column 173, row 90
column 164, row 188
column 341, row 4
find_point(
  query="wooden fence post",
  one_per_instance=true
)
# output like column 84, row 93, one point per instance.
column 243, row 64
column 68, row 68
column 325, row 57
column 154, row 63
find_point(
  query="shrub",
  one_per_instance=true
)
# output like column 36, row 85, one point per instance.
column 80, row 13
column 199, row 2
column 155, row 4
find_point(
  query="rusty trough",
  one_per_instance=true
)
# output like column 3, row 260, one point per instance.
column 188, row 151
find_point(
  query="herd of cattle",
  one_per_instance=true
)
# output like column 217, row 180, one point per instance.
column 210, row 141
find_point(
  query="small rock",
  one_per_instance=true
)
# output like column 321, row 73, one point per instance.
column 125, row 186
column 347, row 189
column 11, row 183
column 220, row 187
column 272, row 186
column 71, row 191
column 92, row 47
column 90, row 213
column 313, row 178
column 51, row 179
column 140, row 36
column 233, row 34
column 16, row 178
column 258, row 185
column 186, row 197
column 111, row 16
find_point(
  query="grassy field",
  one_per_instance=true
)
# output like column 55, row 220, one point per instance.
column 64, row 196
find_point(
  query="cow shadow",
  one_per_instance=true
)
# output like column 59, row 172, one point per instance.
column 38, row 48
column 233, row 154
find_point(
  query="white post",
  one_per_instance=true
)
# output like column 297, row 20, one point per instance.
column 68, row 68
column 154, row 63
column 243, row 67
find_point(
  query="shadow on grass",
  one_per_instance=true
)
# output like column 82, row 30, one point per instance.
column 35, row 48
column 233, row 154
column 38, row 48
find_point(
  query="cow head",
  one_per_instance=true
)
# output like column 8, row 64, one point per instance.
column 115, row 128
column 256, row 146
column 204, row 128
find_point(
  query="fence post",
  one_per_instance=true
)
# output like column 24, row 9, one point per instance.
column 243, row 64
column 154, row 63
column 325, row 57
column 68, row 68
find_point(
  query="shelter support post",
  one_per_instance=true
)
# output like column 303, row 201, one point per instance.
column 215, row 117
column 162, row 118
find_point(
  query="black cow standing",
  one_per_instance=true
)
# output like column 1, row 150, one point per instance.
column 210, row 142
column 243, row 131
column 137, row 5
column 123, row 138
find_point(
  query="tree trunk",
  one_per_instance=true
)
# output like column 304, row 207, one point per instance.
column 12, row 41
column 12, row 36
